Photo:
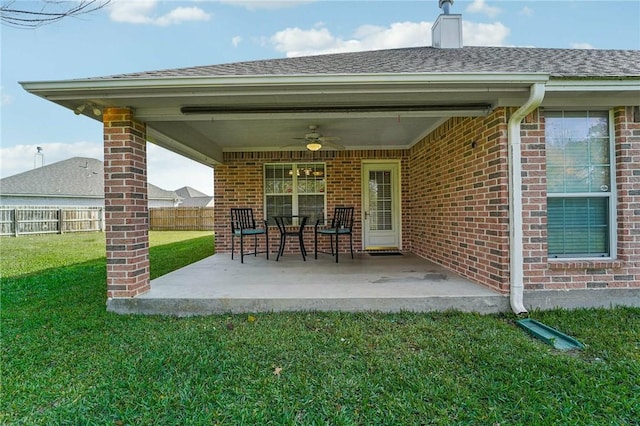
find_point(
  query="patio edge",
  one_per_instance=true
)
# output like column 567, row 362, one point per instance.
column 198, row 307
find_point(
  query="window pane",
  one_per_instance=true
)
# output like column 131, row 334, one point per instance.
column 278, row 179
column 380, row 201
column 555, row 179
column 310, row 178
column 599, row 179
column 312, row 206
column 577, row 149
column 599, row 148
column 278, row 205
column 576, row 179
column 578, row 227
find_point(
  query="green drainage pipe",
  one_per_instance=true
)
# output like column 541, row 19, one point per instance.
column 550, row 335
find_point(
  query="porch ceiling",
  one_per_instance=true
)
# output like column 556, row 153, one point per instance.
column 201, row 118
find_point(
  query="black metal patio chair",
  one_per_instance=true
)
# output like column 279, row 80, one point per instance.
column 243, row 225
column 341, row 225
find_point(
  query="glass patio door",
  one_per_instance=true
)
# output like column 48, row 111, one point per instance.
column 381, row 206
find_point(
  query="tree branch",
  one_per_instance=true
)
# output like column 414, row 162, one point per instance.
column 33, row 14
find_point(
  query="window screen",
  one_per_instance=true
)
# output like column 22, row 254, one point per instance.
column 578, row 183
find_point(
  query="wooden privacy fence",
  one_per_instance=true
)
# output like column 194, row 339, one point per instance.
column 181, row 218
column 50, row 220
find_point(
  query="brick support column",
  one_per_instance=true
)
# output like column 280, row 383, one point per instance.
column 126, row 208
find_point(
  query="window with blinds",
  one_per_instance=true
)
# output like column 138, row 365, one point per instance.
column 295, row 189
column 579, row 183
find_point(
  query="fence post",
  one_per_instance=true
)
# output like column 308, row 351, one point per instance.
column 15, row 222
column 60, row 221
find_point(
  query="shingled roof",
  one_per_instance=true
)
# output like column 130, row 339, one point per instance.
column 558, row 63
column 189, row 192
column 74, row 177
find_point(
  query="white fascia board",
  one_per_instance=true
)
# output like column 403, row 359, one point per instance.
column 45, row 88
column 626, row 84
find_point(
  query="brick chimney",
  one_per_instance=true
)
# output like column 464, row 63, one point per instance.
column 446, row 33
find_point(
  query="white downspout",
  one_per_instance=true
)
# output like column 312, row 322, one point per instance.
column 516, row 247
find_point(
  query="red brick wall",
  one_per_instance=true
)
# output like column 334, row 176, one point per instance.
column 239, row 183
column 624, row 272
column 458, row 203
column 126, row 212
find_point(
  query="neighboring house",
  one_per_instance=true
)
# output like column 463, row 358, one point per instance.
column 77, row 182
column 517, row 168
column 190, row 197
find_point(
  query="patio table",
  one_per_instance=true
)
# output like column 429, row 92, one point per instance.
column 291, row 226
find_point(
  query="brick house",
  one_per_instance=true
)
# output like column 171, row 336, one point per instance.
column 517, row 168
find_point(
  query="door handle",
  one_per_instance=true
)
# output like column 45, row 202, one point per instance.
column 366, row 215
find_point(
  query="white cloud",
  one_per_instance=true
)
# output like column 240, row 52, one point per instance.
column 484, row 34
column 5, row 98
column 183, row 14
column 576, row 45
column 132, row 12
column 142, row 12
column 479, row 6
column 319, row 40
column 235, row 41
column 527, row 11
column 164, row 168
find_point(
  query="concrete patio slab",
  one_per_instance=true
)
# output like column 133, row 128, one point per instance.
column 217, row 285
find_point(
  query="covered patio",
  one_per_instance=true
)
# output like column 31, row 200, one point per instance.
column 218, row 285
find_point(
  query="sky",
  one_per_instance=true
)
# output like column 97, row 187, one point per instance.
column 145, row 35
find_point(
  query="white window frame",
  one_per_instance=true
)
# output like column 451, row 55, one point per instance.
column 611, row 195
column 294, row 194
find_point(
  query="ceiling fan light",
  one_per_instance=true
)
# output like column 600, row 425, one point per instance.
column 314, row 146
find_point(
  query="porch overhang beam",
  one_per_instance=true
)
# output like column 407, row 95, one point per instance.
column 154, row 116
column 385, row 110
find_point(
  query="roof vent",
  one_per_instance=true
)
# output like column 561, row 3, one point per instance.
column 446, row 33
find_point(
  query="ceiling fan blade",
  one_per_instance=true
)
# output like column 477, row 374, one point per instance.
column 292, row 146
column 329, row 138
column 333, row 145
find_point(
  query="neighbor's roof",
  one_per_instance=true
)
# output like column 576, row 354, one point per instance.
column 197, row 202
column 189, row 192
column 558, row 63
column 75, row 177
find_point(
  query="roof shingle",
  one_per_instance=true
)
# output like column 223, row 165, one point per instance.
column 577, row 63
column 74, row 177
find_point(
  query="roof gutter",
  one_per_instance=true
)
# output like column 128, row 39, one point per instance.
column 103, row 86
column 516, row 246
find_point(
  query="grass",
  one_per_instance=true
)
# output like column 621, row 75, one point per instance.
column 65, row 360
column 34, row 253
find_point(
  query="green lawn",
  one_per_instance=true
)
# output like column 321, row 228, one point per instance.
column 65, row 360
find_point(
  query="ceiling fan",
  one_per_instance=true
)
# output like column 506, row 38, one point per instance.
column 314, row 141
